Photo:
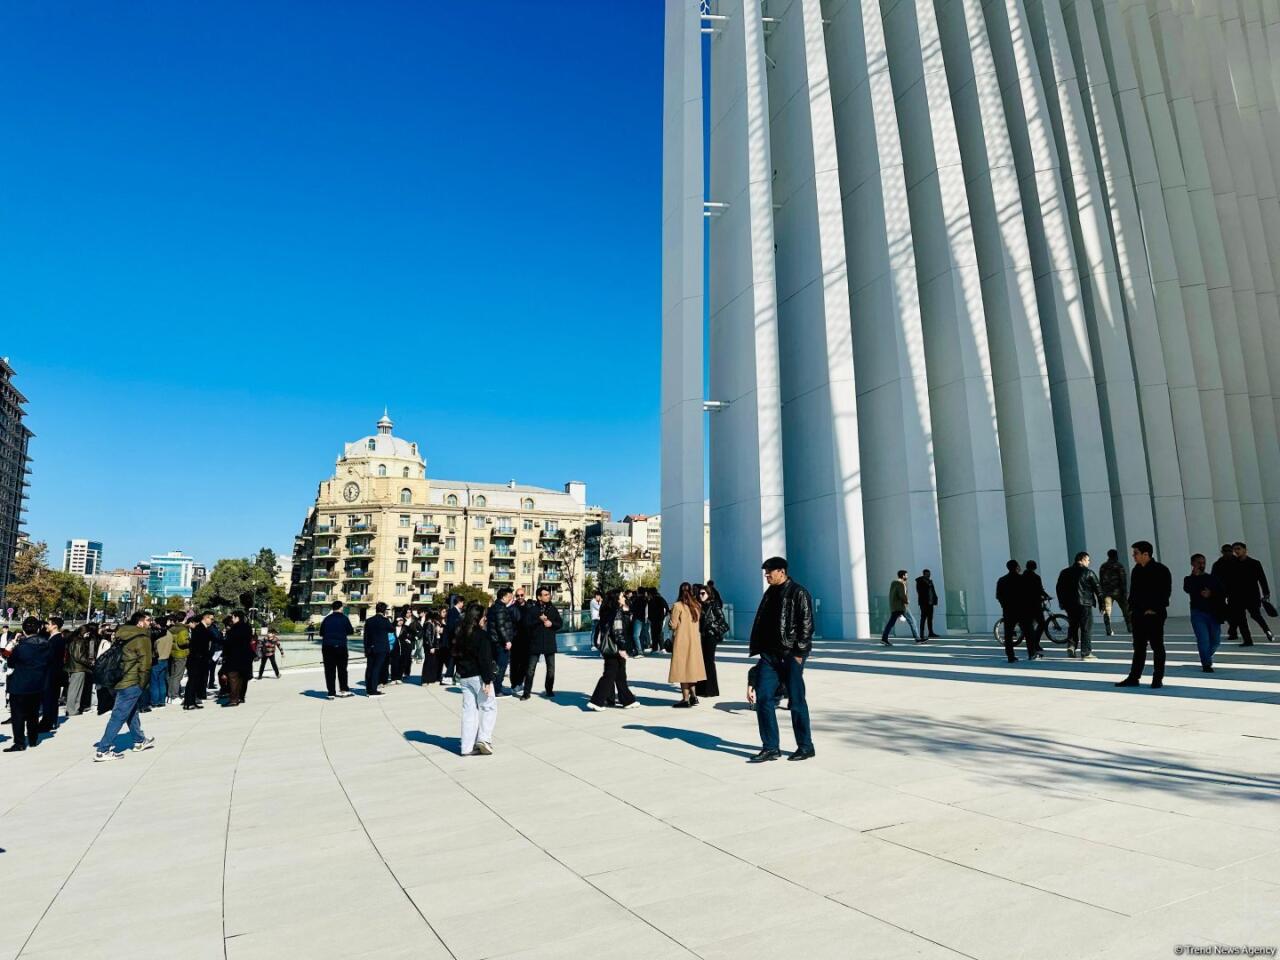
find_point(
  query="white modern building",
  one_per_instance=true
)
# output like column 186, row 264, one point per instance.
column 170, row 574
column 83, row 557
column 987, row 279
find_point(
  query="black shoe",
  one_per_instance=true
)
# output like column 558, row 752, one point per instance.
column 803, row 754
column 1247, row 643
column 764, row 756
column 16, row 748
column 525, row 697
column 1127, row 683
column 1013, row 659
column 918, row 641
column 1207, row 669
column 1157, row 684
column 684, row 703
column 693, row 701
column 550, row 694
column 885, row 641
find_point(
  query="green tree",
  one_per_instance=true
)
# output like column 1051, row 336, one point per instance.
column 72, row 593
column 470, row 594
column 610, row 578
column 242, row 583
column 570, row 549
column 266, row 560
column 31, row 589
column 588, row 589
column 175, row 604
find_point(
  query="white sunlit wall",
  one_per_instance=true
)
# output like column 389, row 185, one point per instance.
column 983, row 280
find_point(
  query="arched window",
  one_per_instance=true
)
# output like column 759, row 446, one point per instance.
column 382, row 469
column 527, row 503
column 481, row 501
column 406, row 495
column 451, row 499
column 405, row 474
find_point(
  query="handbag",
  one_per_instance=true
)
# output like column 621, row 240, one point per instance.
column 609, row 646
column 1270, row 607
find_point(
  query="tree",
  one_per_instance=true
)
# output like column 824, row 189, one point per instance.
column 588, row 589
column 72, row 593
column 242, row 583
column 569, row 550
column 175, row 604
column 32, row 588
column 472, row 594
column 610, row 578
column 266, row 560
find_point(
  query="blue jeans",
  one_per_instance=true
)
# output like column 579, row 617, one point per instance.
column 1208, row 633
column 776, row 672
column 124, row 711
column 502, row 657
column 893, row 618
column 159, row 683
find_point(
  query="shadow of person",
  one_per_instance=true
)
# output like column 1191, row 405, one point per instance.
column 314, row 694
column 697, row 738
column 451, row 744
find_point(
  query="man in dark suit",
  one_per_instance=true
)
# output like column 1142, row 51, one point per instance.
column 542, row 620
column 377, row 630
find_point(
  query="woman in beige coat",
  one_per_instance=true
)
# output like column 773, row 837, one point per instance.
column 687, row 667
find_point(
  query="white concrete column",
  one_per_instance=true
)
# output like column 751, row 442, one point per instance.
column 682, row 306
column 1078, row 428
column 1189, row 271
column 966, row 448
column 747, row 523
column 895, row 424
column 1028, row 453
column 823, row 468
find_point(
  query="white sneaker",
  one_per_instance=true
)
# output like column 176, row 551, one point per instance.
column 593, row 707
column 102, row 755
column 146, row 744
column 633, row 705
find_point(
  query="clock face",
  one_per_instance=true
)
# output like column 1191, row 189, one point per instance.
column 351, row 491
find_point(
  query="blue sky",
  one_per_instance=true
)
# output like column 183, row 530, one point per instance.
column 230, row 233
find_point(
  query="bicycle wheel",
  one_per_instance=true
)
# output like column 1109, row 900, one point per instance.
column 998, row 633
column 1056, row 629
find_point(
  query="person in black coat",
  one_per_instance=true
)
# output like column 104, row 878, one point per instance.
column 1247, row 588
column 28, row 679
column 452, row 621
column 927, row 598
column 432, row 660
column 657, row 609
column 1011, row 594
column 520, row 645
column 501, row 628
column 56, row 678
column 198, row 652
column 377, row 631
column 1150, row 586
column 542, row 620
column 712, row 627
column 237, row 658
column 615, row 640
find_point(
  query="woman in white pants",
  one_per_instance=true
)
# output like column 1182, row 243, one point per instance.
column 475, row 671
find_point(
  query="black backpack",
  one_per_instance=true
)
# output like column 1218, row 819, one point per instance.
column 108, row 670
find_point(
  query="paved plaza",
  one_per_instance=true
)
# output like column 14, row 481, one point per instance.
column 958, row 807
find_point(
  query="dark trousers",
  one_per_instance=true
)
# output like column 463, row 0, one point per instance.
column 374, row 660
column 404, row 650
column 612, row 684
column 1012, row 619
column 709, row 687
column 432, row 666
column 335, row 669
column 502, row 657
column 237, row 685
column 1148, row 630
column 519, row 661
column 1080, row 630
column 197, row 672
column 262, row 665
column 1240, row 613
column 24, row 712
column 49, row 702
column 782, row 672
column 926, row 621
column 532, row 668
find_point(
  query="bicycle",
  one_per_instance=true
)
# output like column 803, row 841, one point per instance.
column 1056, row 629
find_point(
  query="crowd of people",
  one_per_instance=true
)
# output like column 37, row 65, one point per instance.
column 150, row 663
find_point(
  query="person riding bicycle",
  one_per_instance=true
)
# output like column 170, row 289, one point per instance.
column 1078, row 593
column 1011, row 594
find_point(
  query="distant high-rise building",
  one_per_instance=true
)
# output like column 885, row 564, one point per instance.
column 14, row 469
column 83, row 557
column 170, row 575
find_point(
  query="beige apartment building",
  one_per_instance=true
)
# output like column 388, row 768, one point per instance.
column 381, row 530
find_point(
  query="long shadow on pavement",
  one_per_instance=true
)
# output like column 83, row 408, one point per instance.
column 696, row 738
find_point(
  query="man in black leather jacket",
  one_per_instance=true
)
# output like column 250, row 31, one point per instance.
column 1078, row 593
column 782, row 637
column 502, row 632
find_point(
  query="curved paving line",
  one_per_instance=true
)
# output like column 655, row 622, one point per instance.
column 368, row 836
column 482, row 803
column 105, row 823
column 226, row 836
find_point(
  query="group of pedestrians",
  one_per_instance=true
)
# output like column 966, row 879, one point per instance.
column 146, row 664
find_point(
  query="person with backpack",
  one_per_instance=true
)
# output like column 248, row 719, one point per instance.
column 126, row 669
column 474, row 668
column 106, row 695
column 615, row 638
column 198, row 654
column 377, row 630
column 179, row 651
column 162, row 647
column 28, row 676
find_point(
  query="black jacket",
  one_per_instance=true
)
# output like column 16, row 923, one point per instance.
column 1078, row 587
column 1149, row 588
column 1012, row 595
column 712, row 624
column 795, row 627
column 926, row 592
column 541, row 639
column 617, row 630
column 29, row 665
column 1246, row 583
column 474, row 656
column 201, row 643
column 452, row 620
column 376, row 631
column 237, row 648
column 657, row 610
column 502, row 626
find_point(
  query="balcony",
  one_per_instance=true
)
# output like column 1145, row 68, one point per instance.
column 360, row 549
column 551, row 576
column 362, row 528
column 431, row 574
column 505, row 532
column 356, row 575
column 323, row 529
column 504, row 553
column 503, row 576
column 551, row 535
column 321, row 597
column 426, row 529
column 551, row 556
column 355, row 595
column 426, row 551
column 323, row 552
column 324, row 576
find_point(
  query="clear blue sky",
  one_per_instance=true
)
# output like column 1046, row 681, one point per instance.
column 229, row 233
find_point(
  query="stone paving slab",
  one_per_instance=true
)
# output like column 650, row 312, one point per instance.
column 958, row 807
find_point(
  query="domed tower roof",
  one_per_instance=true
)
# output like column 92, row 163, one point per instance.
column 385, row 424
column 382, row 445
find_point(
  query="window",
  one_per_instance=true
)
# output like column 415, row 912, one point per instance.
column 402, row 543
column 526, row 524
column 405, row 474
column 451, row 522
column 526, row 545
column 451, row 499
column 402, row 566
column 402, row 589
column 451, row 543
column 526, row 568
column 372, row 444
column 553, row 526
column 406, row 495
column 404, row 519
column 478, row 521
column 478, row 586
column 382, row 469
column 481, row 501
column 448, row 566
column 477, row 544
column 477, row 566
column 526, row 503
